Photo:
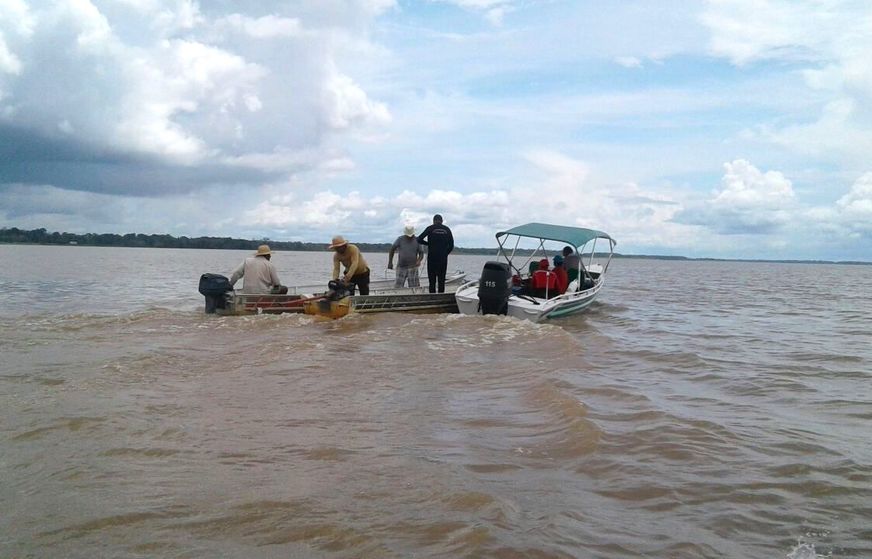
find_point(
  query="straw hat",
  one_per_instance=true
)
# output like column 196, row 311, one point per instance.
column 338, row 241
column 409, row 231
column 263, row 250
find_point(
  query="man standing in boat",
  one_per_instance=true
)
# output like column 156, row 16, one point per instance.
column 356, row 268
column 570, row 262
column 560, row 272
column 440, row 243
column 260, row 276
column 409, row 258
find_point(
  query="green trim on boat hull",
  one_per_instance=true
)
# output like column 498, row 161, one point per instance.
column 567, row 310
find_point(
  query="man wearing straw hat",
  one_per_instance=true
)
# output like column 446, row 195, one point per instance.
column 260, row 276
column 409, row 257
column 356, row 269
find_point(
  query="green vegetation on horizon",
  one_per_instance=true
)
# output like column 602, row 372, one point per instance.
column 139, row 240
column 13, row 235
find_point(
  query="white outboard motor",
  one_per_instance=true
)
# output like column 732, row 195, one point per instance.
column 494, row 288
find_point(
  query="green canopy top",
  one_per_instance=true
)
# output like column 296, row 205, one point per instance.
column 576, row 236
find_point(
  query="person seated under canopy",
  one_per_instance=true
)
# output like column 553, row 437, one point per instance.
column 570, row 262
column 544, row 283
column 560, row 272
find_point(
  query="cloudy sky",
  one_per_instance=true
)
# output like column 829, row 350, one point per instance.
column 723, row 128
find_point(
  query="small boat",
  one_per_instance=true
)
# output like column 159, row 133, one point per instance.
column 383, row 297
column 507, row 286
column 400, row 302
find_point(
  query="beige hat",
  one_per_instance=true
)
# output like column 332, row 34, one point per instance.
column 338, row 241
column 409, row 231
column 263, row 250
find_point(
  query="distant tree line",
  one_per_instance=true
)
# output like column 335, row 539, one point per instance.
column 43, row 237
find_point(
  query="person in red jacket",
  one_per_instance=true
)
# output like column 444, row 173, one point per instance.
column 560, row 272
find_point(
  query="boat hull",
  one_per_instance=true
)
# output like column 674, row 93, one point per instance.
column 237, row 304
column 364, row 304
column 383, row 297
column 408, row 300
column 525, row 308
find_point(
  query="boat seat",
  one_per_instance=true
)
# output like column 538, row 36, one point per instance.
column 542, row 282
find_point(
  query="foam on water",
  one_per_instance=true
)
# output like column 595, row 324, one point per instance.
column 805, row 550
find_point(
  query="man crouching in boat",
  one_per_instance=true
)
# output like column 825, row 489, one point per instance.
column 260, row 276
column 356, row 268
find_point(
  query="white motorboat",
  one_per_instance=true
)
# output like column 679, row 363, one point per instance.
column 511, row 286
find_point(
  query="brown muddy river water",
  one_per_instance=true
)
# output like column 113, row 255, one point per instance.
column 697, row 409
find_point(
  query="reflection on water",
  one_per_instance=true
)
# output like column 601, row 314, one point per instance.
column 699, row 409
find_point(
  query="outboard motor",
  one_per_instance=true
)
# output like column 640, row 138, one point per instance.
column 214, row 287
column 494, row 288
column 337, row 289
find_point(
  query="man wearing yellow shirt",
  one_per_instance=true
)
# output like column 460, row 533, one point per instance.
column 356, row 269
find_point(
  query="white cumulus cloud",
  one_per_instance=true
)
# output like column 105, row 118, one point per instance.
column 829, row 43
column 493, row 10
column 629, row 61
column 749, row 202
column 559, row 190
column 263, row 27
column 855, row 208
column 179, row 83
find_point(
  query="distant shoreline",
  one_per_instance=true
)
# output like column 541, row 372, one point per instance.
column 15, row 236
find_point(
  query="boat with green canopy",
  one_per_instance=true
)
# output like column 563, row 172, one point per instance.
column 522, row 283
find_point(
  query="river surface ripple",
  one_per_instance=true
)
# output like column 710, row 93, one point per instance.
column 698, row 409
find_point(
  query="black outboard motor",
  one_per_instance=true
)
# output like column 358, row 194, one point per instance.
column 213, row 287
column 337, row 289
column 494, row 288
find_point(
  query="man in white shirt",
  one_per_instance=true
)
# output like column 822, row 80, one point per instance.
column 260, row 276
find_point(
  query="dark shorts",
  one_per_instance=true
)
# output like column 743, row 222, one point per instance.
column 361, row 281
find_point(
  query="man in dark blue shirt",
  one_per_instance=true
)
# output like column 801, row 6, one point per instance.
column 439, row 242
